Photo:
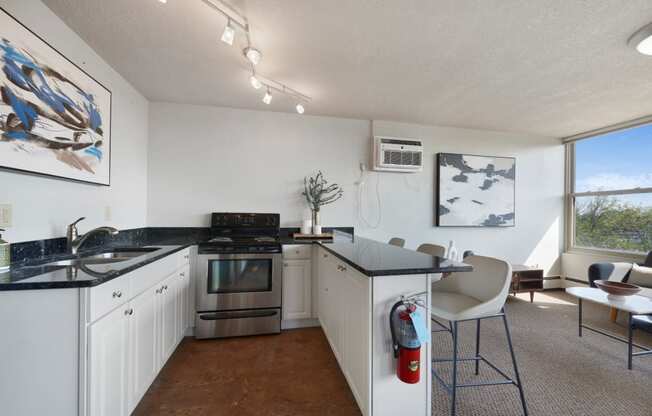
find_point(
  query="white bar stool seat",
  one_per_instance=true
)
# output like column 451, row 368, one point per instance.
column 473, row 296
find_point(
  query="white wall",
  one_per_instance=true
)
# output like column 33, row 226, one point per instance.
column 205, row 159
column 42, row 206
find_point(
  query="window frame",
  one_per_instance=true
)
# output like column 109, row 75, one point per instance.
column 570, row 194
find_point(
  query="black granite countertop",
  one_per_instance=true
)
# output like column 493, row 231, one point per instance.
column 29, row 270
column 374, row 258
column 40, row 275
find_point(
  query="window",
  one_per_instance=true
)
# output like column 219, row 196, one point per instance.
column 610, row 195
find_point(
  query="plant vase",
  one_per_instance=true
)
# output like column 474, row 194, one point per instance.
column 316, row 222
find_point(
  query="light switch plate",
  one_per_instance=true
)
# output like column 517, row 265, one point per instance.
column 5, row 215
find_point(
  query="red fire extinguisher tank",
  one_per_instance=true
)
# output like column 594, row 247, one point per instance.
column 407, row 347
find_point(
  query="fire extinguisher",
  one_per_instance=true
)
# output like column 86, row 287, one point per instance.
column 405, row 342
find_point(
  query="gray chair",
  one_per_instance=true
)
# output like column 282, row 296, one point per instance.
column 432, row 249
column 398, row 242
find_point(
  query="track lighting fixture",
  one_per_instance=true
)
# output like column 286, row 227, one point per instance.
column 267, row 99
column 255, row 82
column 236, row 20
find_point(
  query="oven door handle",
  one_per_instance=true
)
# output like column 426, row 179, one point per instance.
column 217, row 316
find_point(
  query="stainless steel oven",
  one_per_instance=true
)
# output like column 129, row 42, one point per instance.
column 238, row 276
column 239, row 281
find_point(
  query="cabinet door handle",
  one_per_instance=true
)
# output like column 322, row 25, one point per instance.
column 325, row 255
column 117, row 294
column 129, row 311
column 186, row 257
column 165, row 287
column 285, row 264
column 183, row 275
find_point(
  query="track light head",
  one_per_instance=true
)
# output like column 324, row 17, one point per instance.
column 255, row 82
column 300, row 108
column 267, row 99
column 253, row 55
column 228, row 36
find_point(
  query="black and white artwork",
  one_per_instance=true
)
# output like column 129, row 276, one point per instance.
column 55, row 119
column 475, row 191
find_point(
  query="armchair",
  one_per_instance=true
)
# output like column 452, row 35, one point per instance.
column 619, row 271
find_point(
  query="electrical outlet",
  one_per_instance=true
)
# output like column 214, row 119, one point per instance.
column 5, row 215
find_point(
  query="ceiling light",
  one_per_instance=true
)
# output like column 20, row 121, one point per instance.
column 253, row 55
column 642, row 40
column 229, row 34
column 300, row 108
column 267, row 99
column 163, row 1
column 255, row 82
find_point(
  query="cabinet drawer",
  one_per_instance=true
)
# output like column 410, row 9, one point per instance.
column 297, row 251
column 153, row 273
column 108, row 296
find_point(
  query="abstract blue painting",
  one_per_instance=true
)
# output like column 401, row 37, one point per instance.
column 55, row 119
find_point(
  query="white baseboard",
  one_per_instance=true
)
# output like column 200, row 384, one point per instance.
column 299, row 323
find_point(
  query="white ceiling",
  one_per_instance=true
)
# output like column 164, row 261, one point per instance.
column 549, row 67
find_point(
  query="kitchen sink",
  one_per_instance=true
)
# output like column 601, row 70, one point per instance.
column 107, row 257
column 117, row 255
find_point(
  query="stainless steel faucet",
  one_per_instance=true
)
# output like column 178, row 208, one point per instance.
column 75, row 241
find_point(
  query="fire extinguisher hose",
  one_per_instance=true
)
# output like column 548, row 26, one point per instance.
column 391, row 326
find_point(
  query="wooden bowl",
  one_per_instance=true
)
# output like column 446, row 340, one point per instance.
column 617, row 288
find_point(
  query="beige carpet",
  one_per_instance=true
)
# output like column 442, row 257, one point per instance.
column 562, row 373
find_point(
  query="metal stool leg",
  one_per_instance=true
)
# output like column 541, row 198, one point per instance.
column 454, row 386
column 477, row 347
column 518, row 377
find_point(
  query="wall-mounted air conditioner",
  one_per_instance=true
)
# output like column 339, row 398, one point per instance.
column 397, row 155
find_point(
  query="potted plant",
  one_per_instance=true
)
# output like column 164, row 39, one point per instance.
column 319, row 193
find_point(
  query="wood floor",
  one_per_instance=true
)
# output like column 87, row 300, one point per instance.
column 294, row 373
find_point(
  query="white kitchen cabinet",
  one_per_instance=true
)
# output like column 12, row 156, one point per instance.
column 297, row 289
column 344, row 301
column 323, row 270
column 129, row 346
column 108, row 364
column 143, row 340
column 183, row 292
column 299, row 305
column 168, row 318
column 356, row 341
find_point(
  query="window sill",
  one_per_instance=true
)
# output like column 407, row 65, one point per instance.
column 614, row 254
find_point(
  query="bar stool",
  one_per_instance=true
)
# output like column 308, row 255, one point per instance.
column 473, row 296
column 435, row 251
column 398, row 242
column 432, row 249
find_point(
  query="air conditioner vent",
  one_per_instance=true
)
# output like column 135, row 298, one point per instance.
column 397, row 155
